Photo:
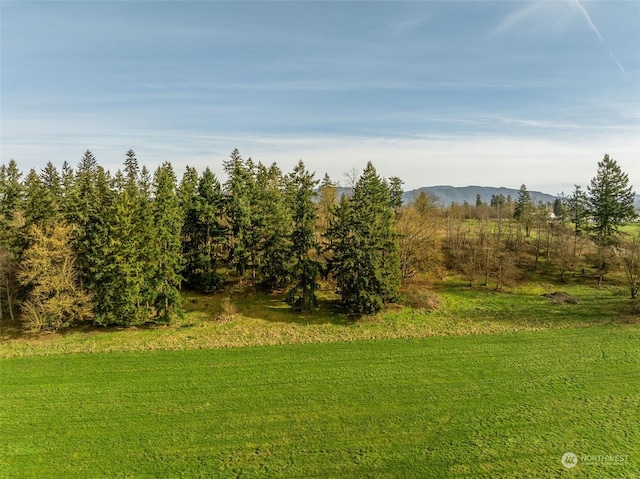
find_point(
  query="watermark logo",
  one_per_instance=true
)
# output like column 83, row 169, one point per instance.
column 569, row 460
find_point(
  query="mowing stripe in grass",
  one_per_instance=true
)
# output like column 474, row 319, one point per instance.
column 504, row 405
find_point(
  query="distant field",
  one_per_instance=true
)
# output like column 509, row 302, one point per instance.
column 500, row 405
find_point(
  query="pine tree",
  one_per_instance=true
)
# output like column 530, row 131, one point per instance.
column 524, row 209
column 211, row 233
column 122, row 296
column 187, row 194
column 35, row 211
column 238, row 190
column 168, row 221
column 366, row 261
column 53, row 191
column 203, row 233
column 12, row 210
column 87, row 203
column 578, row 210
column 271, row 229
column 610, row 199
column 305, row 270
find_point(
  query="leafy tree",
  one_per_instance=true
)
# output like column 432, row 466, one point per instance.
column 630, row 255
column 305, row 270
column 419, row 247
column 610, row 200
column 55, row 299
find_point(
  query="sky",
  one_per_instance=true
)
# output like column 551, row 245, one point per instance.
column 437, row 93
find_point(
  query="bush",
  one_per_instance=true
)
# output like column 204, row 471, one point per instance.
column 419, row 298
column 226, row 311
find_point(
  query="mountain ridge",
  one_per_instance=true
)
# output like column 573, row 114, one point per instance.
column 447, row 194
column 459, row 194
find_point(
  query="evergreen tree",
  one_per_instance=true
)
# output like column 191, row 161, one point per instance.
column 211, row 232
column 122, row 296
column 53, row 191
column 12, row 209
column 559, row 205
column 203, row 234
column 271, row 229
column 238, row 190
column 187, row 194
column 610, row 199
column 87, row 203
column 67, row 180
column 524, row 209
column 395, row 193
column 168, row 221
column 366, row 261
column 305, row 270
column 578, row 210
column 36, row 211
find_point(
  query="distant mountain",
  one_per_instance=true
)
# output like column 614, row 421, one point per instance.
column 452, row 194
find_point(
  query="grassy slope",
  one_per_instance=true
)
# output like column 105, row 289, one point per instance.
column 501, row 405
column 265, row 319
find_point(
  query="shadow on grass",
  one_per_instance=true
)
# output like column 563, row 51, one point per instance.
column 270, row 307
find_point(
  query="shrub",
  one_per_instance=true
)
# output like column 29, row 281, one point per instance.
column 419, row 298
column 226, row 311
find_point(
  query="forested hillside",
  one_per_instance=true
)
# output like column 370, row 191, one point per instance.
column 86, row 244
column 448, row 195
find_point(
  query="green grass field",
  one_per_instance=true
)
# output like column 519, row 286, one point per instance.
column 264, row 319
column 492, row 405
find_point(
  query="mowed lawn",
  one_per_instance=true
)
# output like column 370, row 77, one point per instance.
column 500, row 405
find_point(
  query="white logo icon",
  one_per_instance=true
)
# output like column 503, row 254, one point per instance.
column 569, row 460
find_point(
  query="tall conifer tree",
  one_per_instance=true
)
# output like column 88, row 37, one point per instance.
column 168, row 221
column 305, row 269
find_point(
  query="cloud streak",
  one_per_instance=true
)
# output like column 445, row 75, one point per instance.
column 599, row 35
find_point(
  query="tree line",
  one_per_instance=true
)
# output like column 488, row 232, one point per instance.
column 83, row 244
column 86, row 245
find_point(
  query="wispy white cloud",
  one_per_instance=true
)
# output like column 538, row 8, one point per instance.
column 543, row 162
column 517, row 17
column 599, row 35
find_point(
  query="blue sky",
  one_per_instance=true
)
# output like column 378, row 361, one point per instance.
column 459, row 93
